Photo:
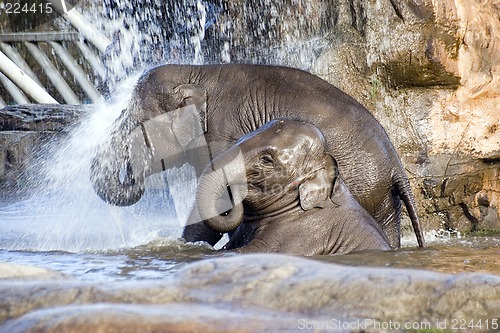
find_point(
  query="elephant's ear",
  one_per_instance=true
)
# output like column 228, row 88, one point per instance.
column 316, row 190
column 196, row 95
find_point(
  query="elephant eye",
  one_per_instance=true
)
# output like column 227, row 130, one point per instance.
column 267, row 159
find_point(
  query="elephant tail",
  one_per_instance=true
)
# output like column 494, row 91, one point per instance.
column 405, row 193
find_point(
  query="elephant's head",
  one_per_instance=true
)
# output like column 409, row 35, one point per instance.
column 150, row 136
column 278, row 167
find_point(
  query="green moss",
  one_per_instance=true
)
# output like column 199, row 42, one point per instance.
column 482, row 233
column 429, row 74
column 375, row 85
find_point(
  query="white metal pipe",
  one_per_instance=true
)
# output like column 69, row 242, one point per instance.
column 13, row 90
column 92, row 59
column 2, row 102
column 87, row 30
column 13, row 55
column 76, row 71
column 54, row 76
column 23, row 81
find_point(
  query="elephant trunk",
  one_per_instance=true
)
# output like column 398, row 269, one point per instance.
column 221, row 190
column 112, row 176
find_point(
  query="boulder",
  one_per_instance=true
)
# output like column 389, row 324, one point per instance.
column 13, row 271
column 255, row 293
column 457, row 194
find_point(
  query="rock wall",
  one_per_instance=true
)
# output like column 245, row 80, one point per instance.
column 25, row 132
column 16, row 149
column 430, row 72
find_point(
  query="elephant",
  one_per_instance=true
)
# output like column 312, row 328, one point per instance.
column 232, row 100
column 287, row 194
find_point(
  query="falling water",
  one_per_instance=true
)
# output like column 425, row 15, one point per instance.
column 213, row 31
column 64, row 213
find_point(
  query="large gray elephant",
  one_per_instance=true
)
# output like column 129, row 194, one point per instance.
column 235, row 99
column 287, row 195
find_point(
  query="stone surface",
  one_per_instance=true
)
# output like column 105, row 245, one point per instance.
column 19, row 150
column 40, row 117
column 172, row 317
column 26, row 131
column 251, row 293
column 458, row 194
column 13, row 271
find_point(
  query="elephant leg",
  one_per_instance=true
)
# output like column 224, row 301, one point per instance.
column 388, row 215
column 199, row 232
column 241, row 236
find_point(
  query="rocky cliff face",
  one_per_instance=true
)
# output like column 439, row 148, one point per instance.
column 430, row 72
column 26, row 131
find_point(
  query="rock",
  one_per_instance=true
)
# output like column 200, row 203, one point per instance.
column 482, row 199
column 18, row 149
column 41, row 117
column 26, row 131
column 253, row 293
column 172, row 317
column 15, row 271
column 457, row 194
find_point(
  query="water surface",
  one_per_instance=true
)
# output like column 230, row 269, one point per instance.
column 162, row 256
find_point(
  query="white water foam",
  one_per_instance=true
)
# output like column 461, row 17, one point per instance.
column 440, row 236
column 63, row 211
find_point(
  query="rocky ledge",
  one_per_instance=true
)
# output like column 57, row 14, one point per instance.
column 254, row 293
column 26, row 131
column 456, row 194
column 40, row 117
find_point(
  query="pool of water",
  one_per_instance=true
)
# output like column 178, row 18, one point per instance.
column 163, row 256
column 153, row 261
column 447, row 254
column 88, row 239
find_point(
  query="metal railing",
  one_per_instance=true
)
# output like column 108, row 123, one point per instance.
column 68, row 64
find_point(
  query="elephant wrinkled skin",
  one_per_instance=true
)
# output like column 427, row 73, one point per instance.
column 235, row 99
column 293, row 201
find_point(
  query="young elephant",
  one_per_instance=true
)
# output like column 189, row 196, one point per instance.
column 287, row 195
